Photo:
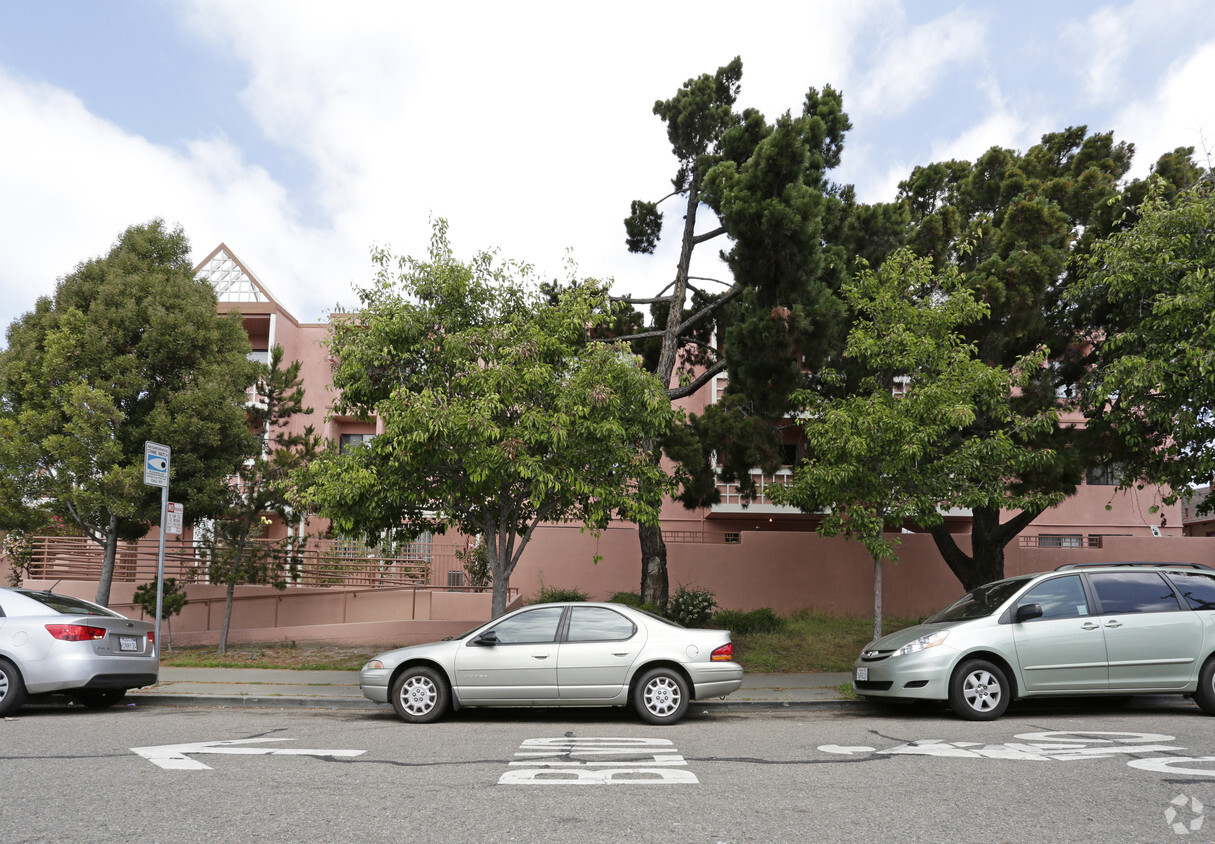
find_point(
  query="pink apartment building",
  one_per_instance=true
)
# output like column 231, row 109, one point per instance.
column 750, row 555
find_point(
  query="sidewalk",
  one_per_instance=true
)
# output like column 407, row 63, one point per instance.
column 286, row 689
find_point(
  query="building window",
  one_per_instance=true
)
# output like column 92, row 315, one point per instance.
column 1060, row 540
column 348, row 442
column 260, row 356
column 1107, row 474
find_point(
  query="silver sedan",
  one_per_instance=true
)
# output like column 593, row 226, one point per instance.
column 59, row 644
column 579, row 654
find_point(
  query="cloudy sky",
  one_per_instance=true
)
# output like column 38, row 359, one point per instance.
column 301, row 135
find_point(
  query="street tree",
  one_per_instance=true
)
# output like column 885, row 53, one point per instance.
column 497, row 414
column 761, row 190
column 261, row 488
column 1150, row 394
column 885, row 452
column 129, row 349
column 1018, row 226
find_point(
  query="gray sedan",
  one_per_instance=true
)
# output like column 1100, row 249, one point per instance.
column 59, row 644
column 580, row 654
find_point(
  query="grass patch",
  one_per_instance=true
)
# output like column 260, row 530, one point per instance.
column 810, row 642
column 297, row 657
column 805, row 643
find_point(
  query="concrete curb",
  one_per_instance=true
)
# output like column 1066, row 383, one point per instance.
column 714, row 707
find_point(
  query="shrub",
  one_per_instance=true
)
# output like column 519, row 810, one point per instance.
column 557, row 595
column 762, row 620
column 691, row 607
column 632, row 599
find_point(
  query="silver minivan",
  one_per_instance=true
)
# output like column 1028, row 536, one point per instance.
column 1109, row 629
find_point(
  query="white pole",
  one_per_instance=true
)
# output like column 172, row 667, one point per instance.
column 160, row 563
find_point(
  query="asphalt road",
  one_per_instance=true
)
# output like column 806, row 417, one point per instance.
column 1043, row 773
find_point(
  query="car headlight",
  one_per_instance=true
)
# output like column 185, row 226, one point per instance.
column 922, row 643
column 375, row 663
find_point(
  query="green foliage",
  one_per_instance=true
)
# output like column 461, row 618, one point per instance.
column 560, row 595
column 173, row 598
column 128, row 350
column 742, row 622
column 498, row 414
column 475, row 561
column 691, row 607
column 1151, row 392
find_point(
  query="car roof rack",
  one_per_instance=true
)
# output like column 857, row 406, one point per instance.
column 1144, row 564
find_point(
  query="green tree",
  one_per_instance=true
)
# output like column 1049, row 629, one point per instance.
column 883, row 454
column 172, row 601
column 261, row 488
column 1150, row 394
column 497, row 414
column 1018, row 226
column 764, row 187
column 129, row 349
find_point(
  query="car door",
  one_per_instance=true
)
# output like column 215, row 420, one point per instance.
column 1152, row 641
column 1063, row 649
column 594, row 660
column 513, row 661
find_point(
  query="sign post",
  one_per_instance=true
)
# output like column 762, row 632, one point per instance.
column 156, row 473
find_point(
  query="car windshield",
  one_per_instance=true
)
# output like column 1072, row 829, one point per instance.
column 979, row 603
column 67, row 605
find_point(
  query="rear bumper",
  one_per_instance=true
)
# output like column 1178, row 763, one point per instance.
column 715, row 679
column 63, row 673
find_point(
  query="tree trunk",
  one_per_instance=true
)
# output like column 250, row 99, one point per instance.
column 107, row 562
column 877, row 598
column 223, row 633
column 655, row 586
column 987, row 540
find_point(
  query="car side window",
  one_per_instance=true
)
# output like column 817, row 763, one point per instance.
column 598, row 624
column 1060, row 597
column 1133, row 592
column 532, row 627
column 1198, row 589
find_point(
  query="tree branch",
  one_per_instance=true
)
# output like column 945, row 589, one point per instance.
column 708, row 309
column 694, row 385
column 701, row 238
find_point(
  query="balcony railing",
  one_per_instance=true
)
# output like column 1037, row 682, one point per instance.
column 731, row 494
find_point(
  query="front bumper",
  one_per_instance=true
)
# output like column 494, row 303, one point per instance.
column 373, row 683
column 923, row 675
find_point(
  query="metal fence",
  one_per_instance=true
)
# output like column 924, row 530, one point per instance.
column 319, row 562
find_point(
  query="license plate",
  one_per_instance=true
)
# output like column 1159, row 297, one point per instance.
column 862, row 673
column 128, row 643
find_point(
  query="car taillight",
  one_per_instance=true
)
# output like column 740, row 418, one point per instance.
column 151, row 637
column 723, row 654
column 75, row 632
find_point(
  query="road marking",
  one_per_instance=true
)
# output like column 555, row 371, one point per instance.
column 598, row 761
column 176, row 757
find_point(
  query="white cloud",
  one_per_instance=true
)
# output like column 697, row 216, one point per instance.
column 1179, row 111
column 913, row 62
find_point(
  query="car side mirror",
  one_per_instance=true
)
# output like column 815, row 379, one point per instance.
column 1027, row 611
column 489, row 637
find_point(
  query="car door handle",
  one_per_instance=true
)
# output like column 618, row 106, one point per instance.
column 1113, row 624
column 539, row 656
column 1089, row 626
column 620, row 653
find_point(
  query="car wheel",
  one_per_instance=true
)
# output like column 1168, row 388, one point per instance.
column 420, row 695
column 100, row 698
column 979, row 691
column 12, row 688
column 661, row 697
column 1204, row 695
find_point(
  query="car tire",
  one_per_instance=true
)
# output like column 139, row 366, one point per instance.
column 661, row 697
column 979, row 691
column 100, row 698
column 420, row 695
column 1204, row 695
column 12, row 688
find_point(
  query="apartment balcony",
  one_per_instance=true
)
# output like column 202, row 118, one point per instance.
column 733, row 501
